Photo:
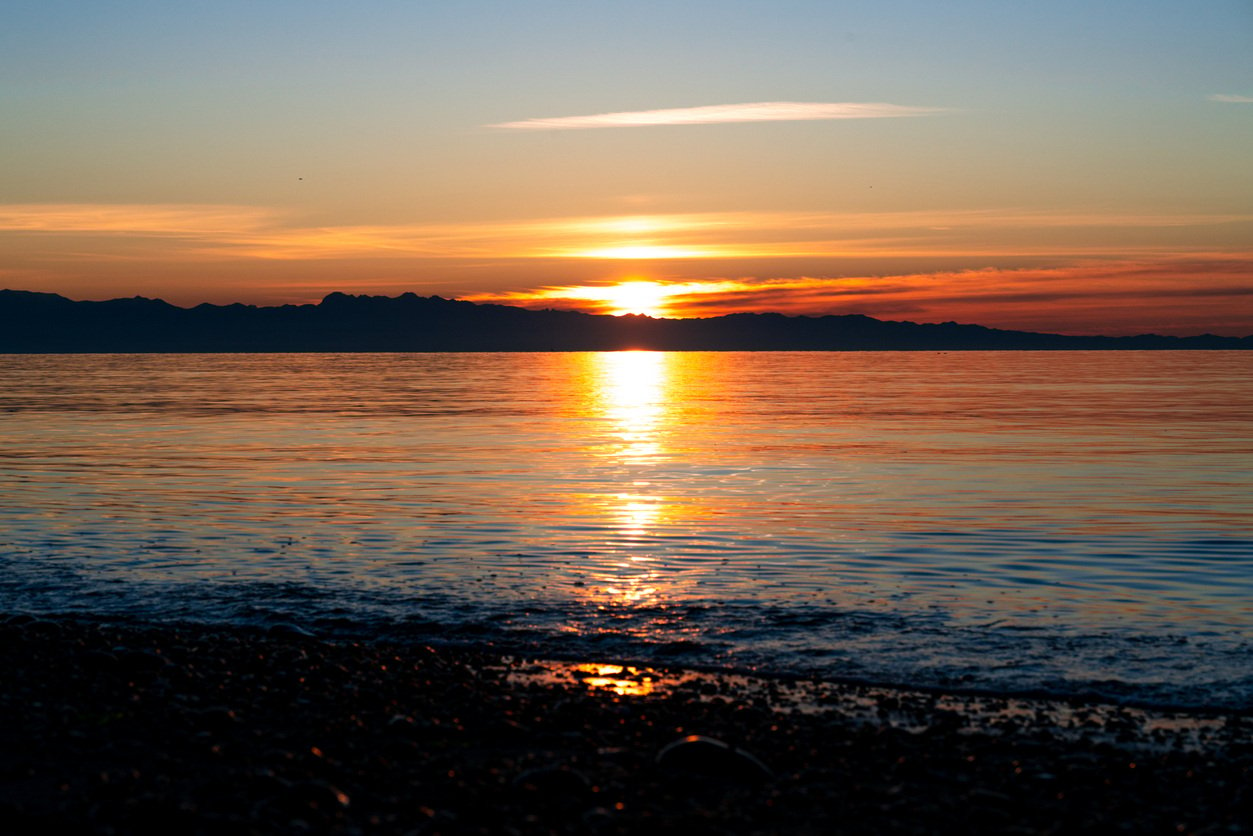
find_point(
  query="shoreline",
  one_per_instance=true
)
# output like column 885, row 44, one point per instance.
column 146, row 728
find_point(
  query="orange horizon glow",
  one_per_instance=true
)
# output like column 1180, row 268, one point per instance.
column 222, row 231
column 1063, row 272
column 1089, row 295
column 636, row 296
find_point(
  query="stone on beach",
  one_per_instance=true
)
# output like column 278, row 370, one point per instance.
column 711, row 758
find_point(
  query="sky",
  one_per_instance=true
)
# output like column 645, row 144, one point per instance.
column 1076, row 167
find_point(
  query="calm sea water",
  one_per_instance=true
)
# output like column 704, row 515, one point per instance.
column 1079, row 522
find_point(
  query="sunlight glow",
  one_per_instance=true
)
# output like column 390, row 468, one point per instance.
column 645, row 298
column 632, row 387
column 636, row 296
column 629, row 225
column 634, row 588
column 72, row 233
column 638, row 513
column 622, row 680
column 645, row 251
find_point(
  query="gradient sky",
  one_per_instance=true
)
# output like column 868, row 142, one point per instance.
column 1068, row 166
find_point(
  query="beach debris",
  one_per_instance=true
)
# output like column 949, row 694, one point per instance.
column 709, row 757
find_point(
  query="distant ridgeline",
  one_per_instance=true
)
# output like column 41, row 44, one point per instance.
column 45, row 322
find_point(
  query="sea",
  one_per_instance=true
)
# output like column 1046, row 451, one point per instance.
column 1077, row 524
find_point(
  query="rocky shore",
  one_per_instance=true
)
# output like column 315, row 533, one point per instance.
column 145, row 729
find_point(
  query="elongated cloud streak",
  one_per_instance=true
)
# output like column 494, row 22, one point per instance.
column 1230, row 98
column 717, row 114
column 185, row 220
column 201, row 232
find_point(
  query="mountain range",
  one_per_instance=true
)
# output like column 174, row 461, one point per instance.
column 33, row 322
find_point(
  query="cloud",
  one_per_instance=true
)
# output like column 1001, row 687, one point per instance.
column 1169, row 295
column 1230, row 98
column 1124, row 272
column 214, row 232
column 159, row 220
column 719, row 114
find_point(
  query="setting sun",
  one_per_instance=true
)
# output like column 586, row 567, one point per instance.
column 647, row 298
column 633, row 296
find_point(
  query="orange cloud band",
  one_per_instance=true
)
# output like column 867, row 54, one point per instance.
column 1167, row 296
column 214, row 232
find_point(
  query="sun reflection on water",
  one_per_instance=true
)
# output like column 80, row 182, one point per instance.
column 637, row 514
column 632, row 398
column 623, row 680
column 635, row 582
column 632, row 391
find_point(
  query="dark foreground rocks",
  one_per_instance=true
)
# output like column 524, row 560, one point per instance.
column 107, row 729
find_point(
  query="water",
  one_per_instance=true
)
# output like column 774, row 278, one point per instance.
column 1074, row 522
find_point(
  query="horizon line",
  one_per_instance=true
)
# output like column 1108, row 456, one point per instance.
column 614, row 316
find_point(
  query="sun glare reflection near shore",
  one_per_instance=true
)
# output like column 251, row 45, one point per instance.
column 629, row 400
column 625, row 681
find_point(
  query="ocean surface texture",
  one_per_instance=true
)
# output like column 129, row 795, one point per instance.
column 1072, row 522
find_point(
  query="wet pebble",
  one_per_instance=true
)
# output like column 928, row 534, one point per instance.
column 709, row 757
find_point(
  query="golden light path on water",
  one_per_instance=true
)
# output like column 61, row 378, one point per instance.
column 632, row 393
column 631, row 396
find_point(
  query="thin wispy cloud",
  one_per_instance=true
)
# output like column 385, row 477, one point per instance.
column 160, row 219
column 224, row 231
column 1230, row 98
column 721, row 114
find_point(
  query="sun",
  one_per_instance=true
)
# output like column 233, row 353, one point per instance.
column 632, row 296
column 635, row 297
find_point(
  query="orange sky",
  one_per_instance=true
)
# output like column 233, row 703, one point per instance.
column 1035, row 270
column 1068, row 167
column 1088, row 298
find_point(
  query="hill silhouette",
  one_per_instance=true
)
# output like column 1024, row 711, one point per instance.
column 33, row 322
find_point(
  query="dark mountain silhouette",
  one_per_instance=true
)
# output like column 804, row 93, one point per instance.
column 46, row 322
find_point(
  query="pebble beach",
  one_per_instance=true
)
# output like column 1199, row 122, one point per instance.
column 138, row 728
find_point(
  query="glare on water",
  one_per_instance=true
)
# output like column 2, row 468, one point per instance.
column 1027, row 517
